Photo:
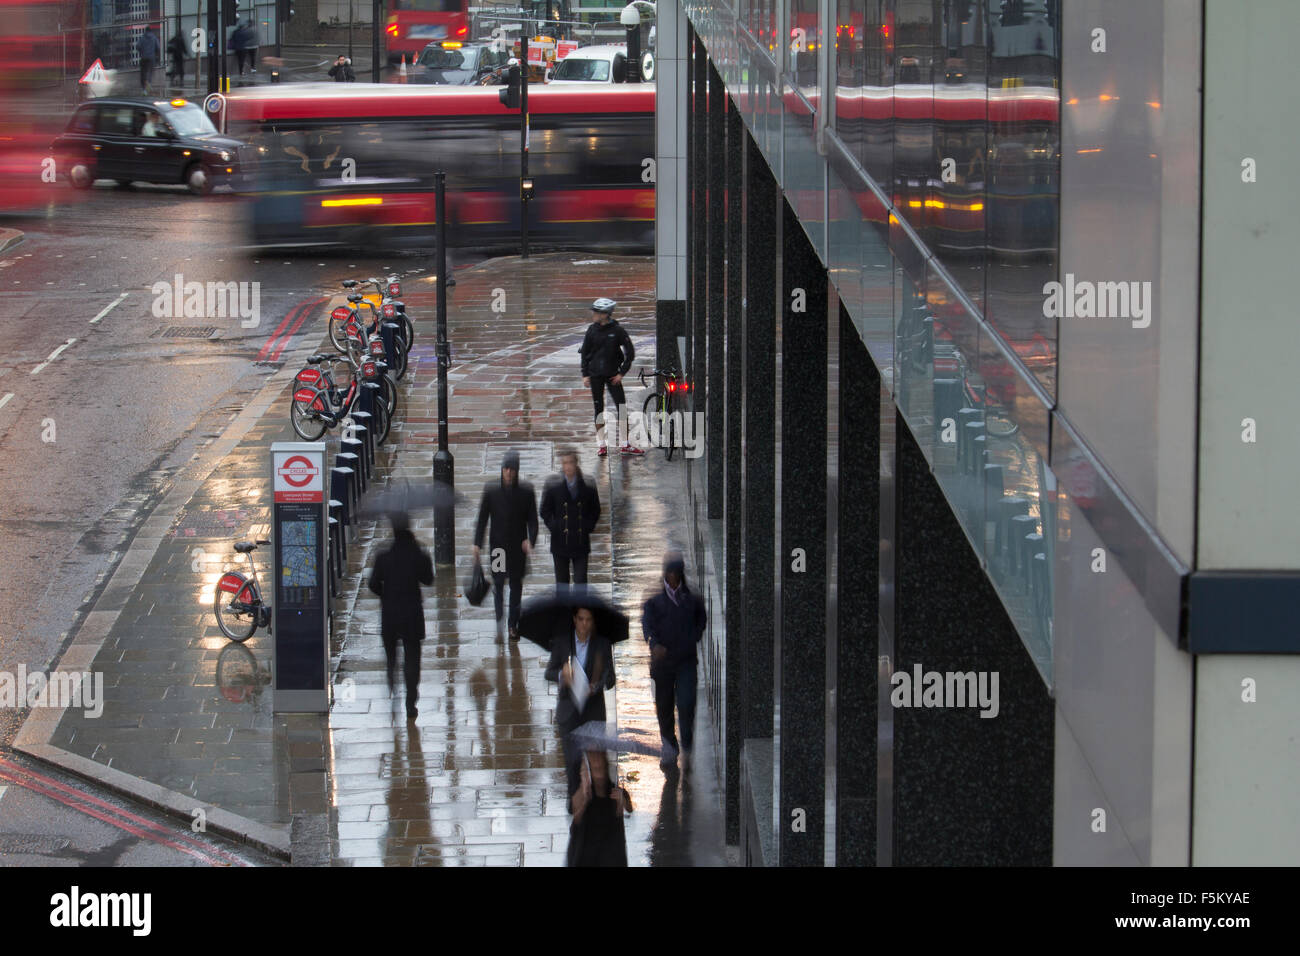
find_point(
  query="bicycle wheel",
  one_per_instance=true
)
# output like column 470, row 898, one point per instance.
column 304, row 413
column 399, row 357
column 668, row 429
column 388, row 391
column 236, row 605
column 650, row 416
column 382, row 422
column 337, row 334
column 999, row 426
column 408, row 331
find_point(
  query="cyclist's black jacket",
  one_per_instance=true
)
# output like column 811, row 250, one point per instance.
column 607, row 350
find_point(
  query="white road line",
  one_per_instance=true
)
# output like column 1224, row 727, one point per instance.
column 116, row 302
column 2, row 791
column 53, row 356
column 5, row 401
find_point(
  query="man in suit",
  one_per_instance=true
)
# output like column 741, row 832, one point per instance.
column 396, row 578
column 570, row 510
column 594, row 654
column 511, row 507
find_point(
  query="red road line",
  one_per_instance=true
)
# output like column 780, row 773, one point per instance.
column 302, row 317
column 53, row 789
column 261, row 356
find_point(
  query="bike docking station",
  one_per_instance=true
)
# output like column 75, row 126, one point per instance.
column 300, row 633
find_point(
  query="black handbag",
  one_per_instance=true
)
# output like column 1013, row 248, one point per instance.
column 477, row 587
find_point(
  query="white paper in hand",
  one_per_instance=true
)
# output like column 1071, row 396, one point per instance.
column 579, row 687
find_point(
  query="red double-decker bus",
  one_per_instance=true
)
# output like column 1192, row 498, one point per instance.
column 355, row 166
column 414, row 24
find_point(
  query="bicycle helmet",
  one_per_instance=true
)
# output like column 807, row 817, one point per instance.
column 604, row 305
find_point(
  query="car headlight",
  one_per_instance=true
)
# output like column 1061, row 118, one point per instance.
column 225, row 156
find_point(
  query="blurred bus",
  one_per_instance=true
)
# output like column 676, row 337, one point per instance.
column 355, row 166
column 414, row 24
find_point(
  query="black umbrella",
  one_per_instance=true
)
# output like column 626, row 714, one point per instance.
column 405, row 496
column 542, row 619
column 598, row 735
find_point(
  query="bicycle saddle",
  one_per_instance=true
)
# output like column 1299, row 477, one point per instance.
column 243, row 547
column 315, row 359
column 349, row 283
column 355, row 296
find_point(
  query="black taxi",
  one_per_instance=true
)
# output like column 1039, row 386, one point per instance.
column 142, row 139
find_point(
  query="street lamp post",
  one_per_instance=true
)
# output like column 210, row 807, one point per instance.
column 444, row 465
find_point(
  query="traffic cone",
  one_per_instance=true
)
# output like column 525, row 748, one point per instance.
column 402, row 72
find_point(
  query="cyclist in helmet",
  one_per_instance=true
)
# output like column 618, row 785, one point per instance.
column 607, row 354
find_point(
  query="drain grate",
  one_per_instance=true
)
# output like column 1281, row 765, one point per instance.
column 474, row 854
column 210, row 523
column 188, row 332
column 406, row 766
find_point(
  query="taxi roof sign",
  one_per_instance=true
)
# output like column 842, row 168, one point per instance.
column 179, row 101
column 95, row 74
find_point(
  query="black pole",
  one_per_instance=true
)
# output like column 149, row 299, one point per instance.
column 523, row 150
column 376, row 11
column 214, row 30
column 444, row 465
column 634, row 54
column 223, row 78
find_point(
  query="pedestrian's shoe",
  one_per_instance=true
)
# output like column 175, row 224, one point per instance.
column 668, row 758
column 514, row 634
column 631, row 450
column 602, row 451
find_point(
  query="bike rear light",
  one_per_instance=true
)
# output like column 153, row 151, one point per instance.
column 683, row 387
column 672, row 386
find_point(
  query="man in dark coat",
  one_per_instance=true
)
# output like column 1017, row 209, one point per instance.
column 396, row 578
column 149, row 49
column 570, row 510
column 176, row 50
column 673, row 623
column 342, row 71
column 511, row 506
column 594, row 654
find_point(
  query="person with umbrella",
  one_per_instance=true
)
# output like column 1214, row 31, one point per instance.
column 396, row 578
column 673, row 622
column 570, row 510
column 511, row 508
column 582, row 663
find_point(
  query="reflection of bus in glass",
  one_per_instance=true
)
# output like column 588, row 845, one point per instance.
column 356, row 167
column 413, row 24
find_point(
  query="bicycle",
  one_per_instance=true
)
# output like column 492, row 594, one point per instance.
column 238, row 603
column 346, row 320
column 389, row 308
column 318, row 405
column 659, row 404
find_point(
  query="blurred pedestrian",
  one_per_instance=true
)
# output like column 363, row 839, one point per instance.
column 596, row 836
column 341, row 71
column 511, row 508
column 149, row 50
column 607, row 353
column 396, row 578
column 581, row 648
column 673, row 623
column 176, row 51
column 570, row 510
column 244, row 42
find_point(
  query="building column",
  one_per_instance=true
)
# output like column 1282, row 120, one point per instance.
column 972, row 778
column 733, row 526
column 800, row 651
column 699, row 256
column 708, row 398
column 670, row 181
column 853, row 604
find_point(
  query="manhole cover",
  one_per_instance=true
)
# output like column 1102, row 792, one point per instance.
column 35, row 844
column 188, row 332
column 210, row 523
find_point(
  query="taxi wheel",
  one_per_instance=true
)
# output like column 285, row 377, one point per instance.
column 81, row 176
column 197, row 180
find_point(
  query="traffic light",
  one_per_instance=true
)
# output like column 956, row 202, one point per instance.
column 230, row 12
column 510, row 96
column 285, row 8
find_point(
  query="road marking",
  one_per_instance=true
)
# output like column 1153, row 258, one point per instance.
column 53, row 355
column 116, row 302
column 5, row 401
column 2, row 792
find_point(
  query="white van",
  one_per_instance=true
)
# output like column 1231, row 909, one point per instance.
column 593, row 64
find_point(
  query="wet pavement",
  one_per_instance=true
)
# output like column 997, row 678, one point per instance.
column 478, row 778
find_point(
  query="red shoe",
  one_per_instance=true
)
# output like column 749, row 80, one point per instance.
column 602, row 451
column 631, row 450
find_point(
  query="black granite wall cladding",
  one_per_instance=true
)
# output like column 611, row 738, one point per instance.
column 856, row 598
column 708, row 398
column 732, row 510
column 801, row 638
column 968, row 790
column 670, row 322
column 759, row 490
column 692, row 301
column 699, row 123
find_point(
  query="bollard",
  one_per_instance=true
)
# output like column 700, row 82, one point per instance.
column 1021, row 527
column 347, row 459
column 1006, row 509
column 970, row 451
column 1032, row 545
column 993, row 484
column 343, row 482
column 356, row 447
column 334, row 572
column 338, row 512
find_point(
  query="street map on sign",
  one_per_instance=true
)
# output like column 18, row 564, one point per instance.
column 298, row 554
